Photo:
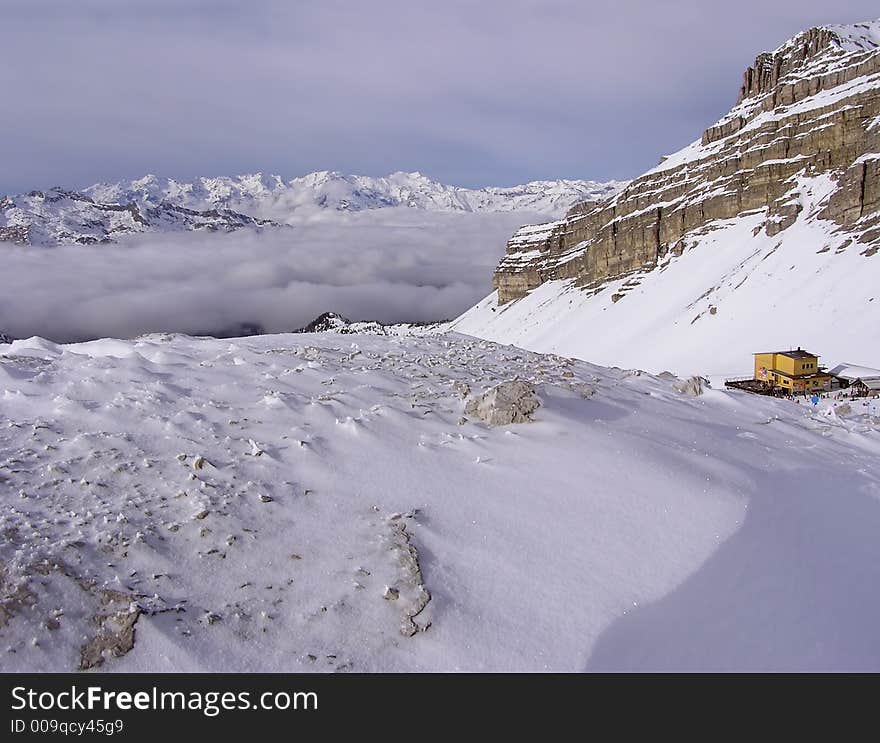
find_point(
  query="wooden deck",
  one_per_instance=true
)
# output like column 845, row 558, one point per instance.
column 756, row 386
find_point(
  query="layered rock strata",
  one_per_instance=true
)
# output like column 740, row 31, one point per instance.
column 808, row 109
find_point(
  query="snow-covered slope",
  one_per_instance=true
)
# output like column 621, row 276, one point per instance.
column 319, row 502
column 762, row 234
column 105, row 211
column 733, row 292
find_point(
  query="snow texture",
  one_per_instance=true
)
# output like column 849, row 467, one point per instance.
column 316, row 503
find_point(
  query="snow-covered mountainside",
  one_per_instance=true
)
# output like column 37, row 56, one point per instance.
column 106, row 211
column 764, row 233
column 335, row 503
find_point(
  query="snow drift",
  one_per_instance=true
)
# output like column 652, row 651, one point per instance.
column 317, row 503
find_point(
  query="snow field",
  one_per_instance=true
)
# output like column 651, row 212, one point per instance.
column 321, row 502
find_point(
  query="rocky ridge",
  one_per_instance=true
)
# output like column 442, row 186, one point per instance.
column 60, row 216
column 333, row 322
column 808, row 110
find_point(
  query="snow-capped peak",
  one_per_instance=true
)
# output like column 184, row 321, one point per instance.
column 334, row 190
column 857, row 36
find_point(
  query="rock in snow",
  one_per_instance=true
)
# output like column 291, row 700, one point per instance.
column 692, row 386
column 508, row 402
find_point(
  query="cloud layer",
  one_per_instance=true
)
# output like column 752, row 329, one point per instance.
column 496, row 92
column 391, row 265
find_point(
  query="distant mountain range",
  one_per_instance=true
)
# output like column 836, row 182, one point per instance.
column 107, row 211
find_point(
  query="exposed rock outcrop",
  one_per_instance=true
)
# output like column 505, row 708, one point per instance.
column 810, row 108
column 115, row 623
column 326, row 322
column 333, row 322
column 508, row 402
column 693, row 386
column 411, row 592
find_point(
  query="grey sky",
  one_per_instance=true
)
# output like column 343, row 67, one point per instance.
column 471, row 93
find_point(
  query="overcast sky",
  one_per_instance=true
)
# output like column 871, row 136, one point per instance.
column 471, row 93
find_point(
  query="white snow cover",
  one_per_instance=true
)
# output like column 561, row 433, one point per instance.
column 733, row 292
column 248, row 497
column 857, row 36
column 532, row 233
column 854, row 371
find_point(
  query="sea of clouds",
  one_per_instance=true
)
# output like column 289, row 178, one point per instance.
column 390, row 265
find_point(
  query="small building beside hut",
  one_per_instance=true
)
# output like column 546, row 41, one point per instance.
column 862, row 380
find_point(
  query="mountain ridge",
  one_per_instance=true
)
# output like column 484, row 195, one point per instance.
column 105, row 211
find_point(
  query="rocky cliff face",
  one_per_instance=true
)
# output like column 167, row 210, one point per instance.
column 807, row 112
